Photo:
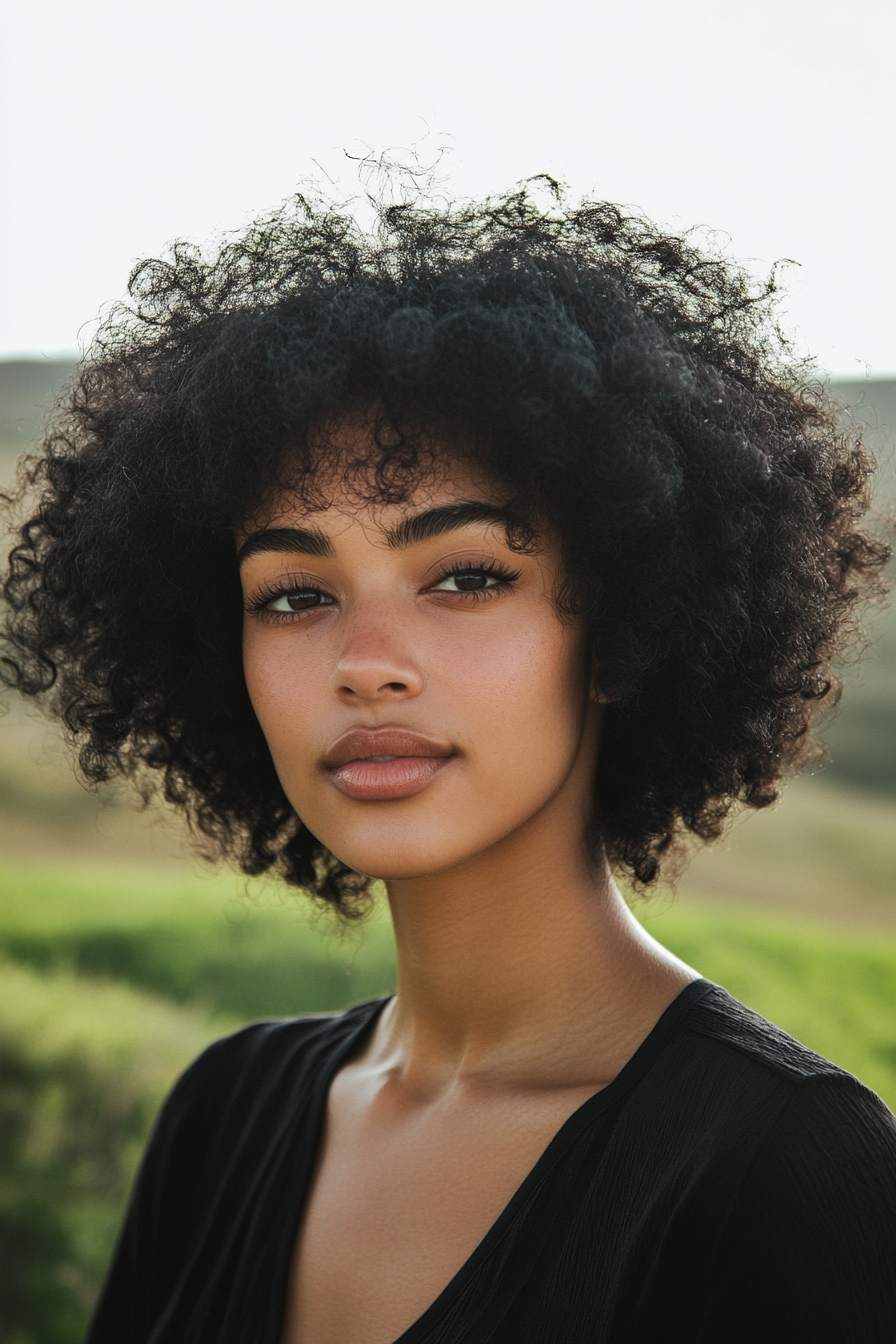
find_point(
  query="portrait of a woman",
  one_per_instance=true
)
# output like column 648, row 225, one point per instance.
column 495, row 553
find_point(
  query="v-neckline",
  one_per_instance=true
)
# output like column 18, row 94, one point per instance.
column 630, row 1073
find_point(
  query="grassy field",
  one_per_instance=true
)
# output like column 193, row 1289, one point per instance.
column 220, row 943
column 84, row 1066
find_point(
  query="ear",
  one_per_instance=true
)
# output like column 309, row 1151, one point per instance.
column 595, row 694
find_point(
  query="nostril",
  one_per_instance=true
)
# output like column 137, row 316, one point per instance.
column 355, row 689
column 355, row 680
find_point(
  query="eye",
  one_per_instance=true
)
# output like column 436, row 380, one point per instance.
column 471, row 581
column 474, row 579
column 302, row 599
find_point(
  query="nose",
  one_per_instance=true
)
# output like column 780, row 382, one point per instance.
column 376, row 662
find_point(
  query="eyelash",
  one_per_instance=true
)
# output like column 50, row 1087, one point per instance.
column 490, row 569
column 292, row 583
column 259, row 604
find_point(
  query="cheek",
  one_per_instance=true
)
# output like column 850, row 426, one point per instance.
column 287, row 680
column 529, row 696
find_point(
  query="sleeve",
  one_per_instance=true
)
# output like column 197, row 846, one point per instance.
column 809, row 1256
column 161, row 1213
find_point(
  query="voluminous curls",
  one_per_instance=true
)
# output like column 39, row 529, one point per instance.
column 625, row 386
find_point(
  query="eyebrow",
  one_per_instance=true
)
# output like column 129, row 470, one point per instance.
column 409, row 532
column 293, row 540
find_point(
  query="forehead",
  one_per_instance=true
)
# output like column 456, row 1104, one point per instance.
column 349, row 496
column 341, row 501
column 351, row 474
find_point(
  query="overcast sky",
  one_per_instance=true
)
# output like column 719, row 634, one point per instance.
column 127, row 124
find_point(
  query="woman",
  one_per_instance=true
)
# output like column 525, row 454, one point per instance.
column 488, row 555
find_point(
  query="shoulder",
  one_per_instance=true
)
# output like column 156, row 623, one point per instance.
column 831, row 1156
column 734, row 1105
column 783, row 1221
column 818, row 1139
column 282, row 1037
column 233, row 1103
column 230, row 1057
column 720, row 1021
column 813, row 1214
column 250, row 1101
column 257, row 1071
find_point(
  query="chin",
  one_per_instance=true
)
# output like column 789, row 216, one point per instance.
column 393, row 855
column 399, row 844
column 397, row 866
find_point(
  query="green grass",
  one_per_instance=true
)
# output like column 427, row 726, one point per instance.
column 230, row 946
column 84, row 1066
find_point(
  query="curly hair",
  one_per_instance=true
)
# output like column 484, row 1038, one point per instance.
column 631, row 385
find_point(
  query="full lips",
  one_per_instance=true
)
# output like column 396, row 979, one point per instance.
column 378, row 781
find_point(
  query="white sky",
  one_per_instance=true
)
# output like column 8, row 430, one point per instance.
column 127, row 124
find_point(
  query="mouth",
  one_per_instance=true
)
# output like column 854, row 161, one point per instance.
column 378, row 764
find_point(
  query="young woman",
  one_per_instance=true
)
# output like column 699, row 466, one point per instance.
column 489, row 555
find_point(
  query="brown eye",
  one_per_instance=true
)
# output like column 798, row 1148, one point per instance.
column 303, row 600
column 470, row 581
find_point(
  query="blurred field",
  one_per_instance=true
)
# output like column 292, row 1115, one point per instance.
column 84, row 1067
column 823, row 853
column 225, row 945
column 120, row 956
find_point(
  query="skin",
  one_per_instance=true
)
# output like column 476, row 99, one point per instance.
column 524, row 983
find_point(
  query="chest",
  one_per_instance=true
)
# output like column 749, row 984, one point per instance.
column 399, row 1204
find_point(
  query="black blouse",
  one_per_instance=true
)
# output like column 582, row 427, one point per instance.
column 729, row 1185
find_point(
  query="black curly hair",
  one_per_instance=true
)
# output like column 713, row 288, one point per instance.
column 624, row 386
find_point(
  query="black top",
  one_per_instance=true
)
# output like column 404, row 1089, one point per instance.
column 728, row 1186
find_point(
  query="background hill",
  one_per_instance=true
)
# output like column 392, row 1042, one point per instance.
column 28, row 389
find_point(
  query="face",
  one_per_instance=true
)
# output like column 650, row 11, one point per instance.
column 421, row 697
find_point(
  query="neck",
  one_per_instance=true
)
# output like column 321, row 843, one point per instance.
column 523, row 963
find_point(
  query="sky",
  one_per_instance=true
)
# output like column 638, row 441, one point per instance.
column 770, row 126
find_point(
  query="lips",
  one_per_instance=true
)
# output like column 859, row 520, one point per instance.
column 378, row 764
